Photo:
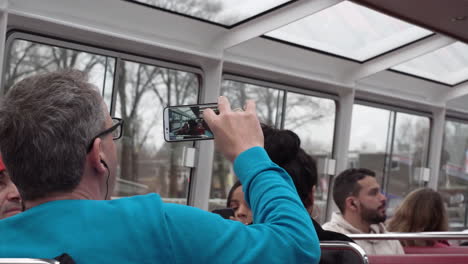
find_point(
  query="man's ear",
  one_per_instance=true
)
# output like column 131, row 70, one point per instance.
column 351, row 203
column 95, row 156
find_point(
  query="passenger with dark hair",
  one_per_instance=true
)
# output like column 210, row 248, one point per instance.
column 10, row 203
column 192, row 127
column 236, row 201
column 184, row 130
column 362, row 206
column 284, row 148
column 200, row 128
column 57, row 139
column 422, row 210
column 10, row 200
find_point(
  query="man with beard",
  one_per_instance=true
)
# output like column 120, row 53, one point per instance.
column 10, row 202
column 362, row 205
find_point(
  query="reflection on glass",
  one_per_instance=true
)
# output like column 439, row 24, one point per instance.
column 351, row 31
column 448, row 65
column 269, row 103
column 226, row 12
column 313, row 120
column 453, row 176
column 410, row 148
column 26, row 58
column 147, row 162
column 392, row 144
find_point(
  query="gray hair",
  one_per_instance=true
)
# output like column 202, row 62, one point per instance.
column 47, row 122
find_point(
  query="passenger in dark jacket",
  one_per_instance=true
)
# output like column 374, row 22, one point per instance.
column 284, row 149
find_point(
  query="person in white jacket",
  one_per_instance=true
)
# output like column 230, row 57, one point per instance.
column 362, row 205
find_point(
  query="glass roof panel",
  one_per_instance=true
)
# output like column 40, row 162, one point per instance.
column 448, row 65
column 351, row 31
column 226, row 12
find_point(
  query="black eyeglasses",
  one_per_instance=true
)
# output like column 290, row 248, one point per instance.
column 115, row 129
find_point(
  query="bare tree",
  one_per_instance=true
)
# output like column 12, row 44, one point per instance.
column 304, row 109
column 167, row 87
column 266, row 98
column 411, row 140
column 134, row 81
column 300, row 110
column 454, row 154
column 171, row 87
column 25, row 58
column 410, row 149
column 180, row 87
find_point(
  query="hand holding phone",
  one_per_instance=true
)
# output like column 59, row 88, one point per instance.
column 235, row 131
column 186, row 123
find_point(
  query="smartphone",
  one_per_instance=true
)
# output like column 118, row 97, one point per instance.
column 224, row 213
column 185, row 122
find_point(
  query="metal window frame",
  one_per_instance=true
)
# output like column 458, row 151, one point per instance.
column 392, row 107
column 457, row 119
column 405, row 110
column 394, row 110
column 285, row 89
column 298, row 90
column 279, row 86
column 14, row 34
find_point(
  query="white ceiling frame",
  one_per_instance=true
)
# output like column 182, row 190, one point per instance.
column 456, row 92
column 3, row 5
column 269, row 22
column 397, row 57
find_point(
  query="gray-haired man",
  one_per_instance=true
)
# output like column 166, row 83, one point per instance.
column 57, row 137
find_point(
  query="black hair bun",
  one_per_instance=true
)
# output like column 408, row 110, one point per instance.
column 281, row 145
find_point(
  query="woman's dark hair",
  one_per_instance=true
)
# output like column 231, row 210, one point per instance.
column 233, row 188
column 284, row 149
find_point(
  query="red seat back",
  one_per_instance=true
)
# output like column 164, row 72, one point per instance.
column 342, row 252
column 433, row 250
column 418, row 259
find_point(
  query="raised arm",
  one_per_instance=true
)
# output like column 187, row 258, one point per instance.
column 283, row 231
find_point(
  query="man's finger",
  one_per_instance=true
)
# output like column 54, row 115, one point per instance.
column 209, row 116
column 250, row 106
column 223, row 105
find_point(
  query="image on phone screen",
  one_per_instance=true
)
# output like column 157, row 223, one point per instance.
column 182, row 123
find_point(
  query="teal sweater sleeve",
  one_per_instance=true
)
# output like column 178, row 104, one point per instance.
column 283, row 231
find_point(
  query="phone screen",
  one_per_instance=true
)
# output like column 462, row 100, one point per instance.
column 182, row 123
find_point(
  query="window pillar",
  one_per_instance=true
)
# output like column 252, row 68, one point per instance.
column 437, row 138
column 201, row 178
column 341, row 145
